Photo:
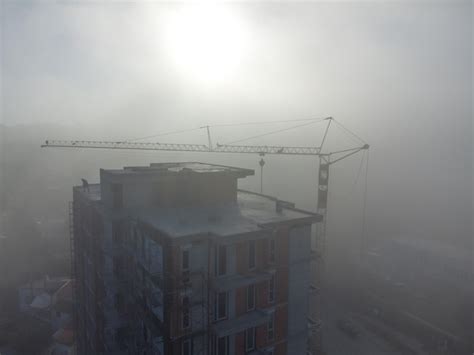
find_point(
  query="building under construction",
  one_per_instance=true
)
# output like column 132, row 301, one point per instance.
column 175, row 259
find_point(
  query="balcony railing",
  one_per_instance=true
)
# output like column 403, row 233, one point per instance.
column 238, row 324
column 234, row 281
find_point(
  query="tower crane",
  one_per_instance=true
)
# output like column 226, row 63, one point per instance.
column 326, row 159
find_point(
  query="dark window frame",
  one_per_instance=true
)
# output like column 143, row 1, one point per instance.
column 185, row 261
column 221, row 260
column 252, row 254
column 119, row 302
column 190, row 347
column 251, row 298
column 185, row 265
column 218, row 305
column 271, row 328
column 271, row 289
column 226, row 346
column 250, row 347
column 272, row 251
column 186, row 313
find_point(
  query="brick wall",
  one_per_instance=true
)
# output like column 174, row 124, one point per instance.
column 262, row 291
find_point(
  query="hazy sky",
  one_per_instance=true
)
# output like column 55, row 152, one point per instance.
column 398, row 73
column 83, row 61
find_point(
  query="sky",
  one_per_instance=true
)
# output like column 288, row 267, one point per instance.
column 397, row 73
column 82, row 61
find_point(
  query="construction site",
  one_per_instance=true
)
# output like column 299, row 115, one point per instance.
column 236, row 178
column 174, row 258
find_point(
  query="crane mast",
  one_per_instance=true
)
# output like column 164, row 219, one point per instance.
column 325, row 161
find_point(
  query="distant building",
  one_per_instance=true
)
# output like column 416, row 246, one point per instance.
column 50, row 302
column 175, row 259
column 49, row 299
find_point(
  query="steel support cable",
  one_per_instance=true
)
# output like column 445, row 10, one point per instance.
column 221, row 125
column 345, row 196
column 326, row 132
column 265, row 122
column 273, row 132
column 364, row 209
column 162, row 134
column 350, row 132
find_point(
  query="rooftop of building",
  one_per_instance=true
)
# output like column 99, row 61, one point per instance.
column 180, row 168
column 250, row 212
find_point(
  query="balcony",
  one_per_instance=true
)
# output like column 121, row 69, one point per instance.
column 260, row 352
column 231, row 282
column 245, row 321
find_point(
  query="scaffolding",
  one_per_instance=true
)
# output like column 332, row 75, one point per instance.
column 148, row 290
column 72, row 265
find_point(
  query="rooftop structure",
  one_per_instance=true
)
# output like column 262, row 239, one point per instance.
column 173, row 258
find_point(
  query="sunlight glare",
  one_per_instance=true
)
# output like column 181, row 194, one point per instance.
column 205, row 43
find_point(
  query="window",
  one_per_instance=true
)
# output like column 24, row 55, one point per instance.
column 271, row 327
column 185, row 265
column 119, row 303
column 221, row 260
column 120, row 336
column 185, row 322
column 116, row 233
column 118, row 268
column 221, row 305
column 186, row 347
column 145, row 334
column 185, row 260
column 271, row 251
column 117, row 195
column 250, row 339
column 250, row 297
column 252, row 254
column 271, row 289
column 222, row 346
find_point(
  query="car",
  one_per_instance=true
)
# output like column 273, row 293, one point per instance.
column 348, row 327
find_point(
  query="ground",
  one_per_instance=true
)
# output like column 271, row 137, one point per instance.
column 337, row 342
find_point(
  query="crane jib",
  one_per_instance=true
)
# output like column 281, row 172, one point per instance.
column 219, row 148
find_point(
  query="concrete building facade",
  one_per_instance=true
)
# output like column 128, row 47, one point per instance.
column 175, row 259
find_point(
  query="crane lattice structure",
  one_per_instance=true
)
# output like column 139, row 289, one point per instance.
column 326, row 159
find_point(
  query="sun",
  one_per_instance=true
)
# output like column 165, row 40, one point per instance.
column 205, row 43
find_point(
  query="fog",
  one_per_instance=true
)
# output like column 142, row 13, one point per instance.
column 398, row 74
